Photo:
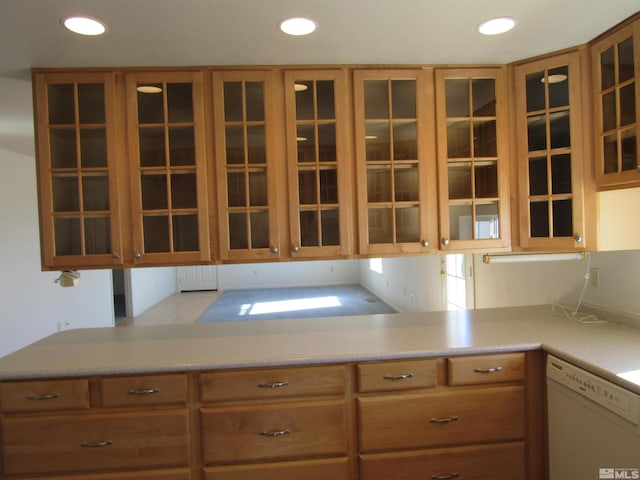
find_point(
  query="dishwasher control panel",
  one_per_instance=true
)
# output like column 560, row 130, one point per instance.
column 603, row 392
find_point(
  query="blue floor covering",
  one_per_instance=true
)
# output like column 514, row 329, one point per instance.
column 297, row 302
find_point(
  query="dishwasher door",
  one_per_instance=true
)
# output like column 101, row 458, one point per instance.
column 587, row 440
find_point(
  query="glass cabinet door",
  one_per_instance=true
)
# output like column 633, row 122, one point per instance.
column 472, row 159
column 319, row 167
column 76, row 166
column 550, row 153
column 246, row 193
column 166, row 129
column 394, row 139
column 615, row 66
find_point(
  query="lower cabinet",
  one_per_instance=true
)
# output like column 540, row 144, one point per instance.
column 472, row 417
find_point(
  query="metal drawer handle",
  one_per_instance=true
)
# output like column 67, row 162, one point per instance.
column 275, row 433
column 273, row 385
column 45, row 396
column 404, row 376
column 487, row 370
column 445, row 477
column 444, row 420
column 104, row 443
column 144, row 391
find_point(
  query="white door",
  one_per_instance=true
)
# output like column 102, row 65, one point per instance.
column 200, row 277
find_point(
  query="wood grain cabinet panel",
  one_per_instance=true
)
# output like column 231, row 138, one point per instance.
column 272, row 432
column 484, row 462
column 451, row 417
column 272, row 383
column 144, row 390
column 398, row 375
column 44, row 395
column 170, row 474
column 481, row 369
column 330, row 468
column 94, row 442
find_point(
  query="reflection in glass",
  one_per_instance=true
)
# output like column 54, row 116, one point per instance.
column 97, row 235
column 486, row 179
column 93, row 147
column 183, row 190
column 234, row 140
column 238, row 234
column 460, row 180
column 154, row 192
column 258, row 188
column 558, row 84
column 156, row 238
column 407, row 224
column 91, row 103
column 539, row 215
column 307, row 187
column 609, row 111
column 487, row 224
column 484, row 97
column 256, row 150
column 405, row 143
column 461, row 222
column 182, row 146
column 559, row 129
column 150, row 105
column 380, row 225
column 306, row 137
column 62, row 145
column 458, row 138
column 627, row 105
column 610, row 150
column 406, row 183
column 562, row 218
column 378, row 184
column 185, row 233
column 61, row 104
column 304, row 100
column 625, row 60
column 607, row 69
column 403, row 98
column 259, row 229
column 376, row 99
column 484, row 138
column 327, row 142
column 152, row 146
column 377, row 141
column 325, row 100
column 236, row 189
column 537, row 132
column 561, row 173
column 255, row 101
column 233, row 102
column 535, row 91
column 457, row 97
column 67, row 236
column 95, row 192
column 179, row 102
column 328, row 186
column 330, row 227
column 538, row 179
column 309, row 228
column 66, row 197
column 629, row 146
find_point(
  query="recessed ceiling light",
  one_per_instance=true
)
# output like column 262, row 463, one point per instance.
column 148, row 89
column 555, row 78
column 84, row 25
column 298, row 26
column 498, row 25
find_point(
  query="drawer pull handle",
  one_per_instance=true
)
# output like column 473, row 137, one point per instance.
column 404, row 376
column 273, row 385
column 445, row 477
column 144, row 391
column 275, row 433
column 487, row 370
column 444, row 420
column 104, row 443
column 45, row 396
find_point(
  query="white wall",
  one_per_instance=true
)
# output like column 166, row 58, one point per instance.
column 410, row 284
column 288, row 274
column 32, row 306
column 150, row 286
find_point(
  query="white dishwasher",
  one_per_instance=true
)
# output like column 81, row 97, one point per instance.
column 594, row 425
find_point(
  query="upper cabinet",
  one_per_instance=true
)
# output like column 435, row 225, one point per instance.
column 395, row 148
column 246, row 136
column 616, row 67
column 473, row 159
column 551, row 158
column 80, row 222
column 167, row 167
column 319, row 163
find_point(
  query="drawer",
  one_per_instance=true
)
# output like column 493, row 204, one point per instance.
column 272, row 383
column 398, row 375
column 94, row 442
column 168, row 474
column 485, row 462
column 272, row 432
column 144, row 390
column 44, row 395
column 479, row 369
column 441, row 418
column 330, row 468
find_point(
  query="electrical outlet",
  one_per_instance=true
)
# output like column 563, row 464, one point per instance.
column 594, row 275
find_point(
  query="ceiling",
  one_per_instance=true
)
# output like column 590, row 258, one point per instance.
column 244, row 32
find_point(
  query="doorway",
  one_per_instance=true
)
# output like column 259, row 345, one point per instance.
column 121, row 297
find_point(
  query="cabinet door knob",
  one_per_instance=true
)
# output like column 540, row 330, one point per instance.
column 137, row 255
column 274, row 249
column 295, row 249
column 578, row 238
column 445, row 241
column 425, row 243
column 115, row 255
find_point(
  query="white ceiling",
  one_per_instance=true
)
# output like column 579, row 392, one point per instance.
column 244, row 32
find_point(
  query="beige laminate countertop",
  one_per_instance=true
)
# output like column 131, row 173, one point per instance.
column 609, row 350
